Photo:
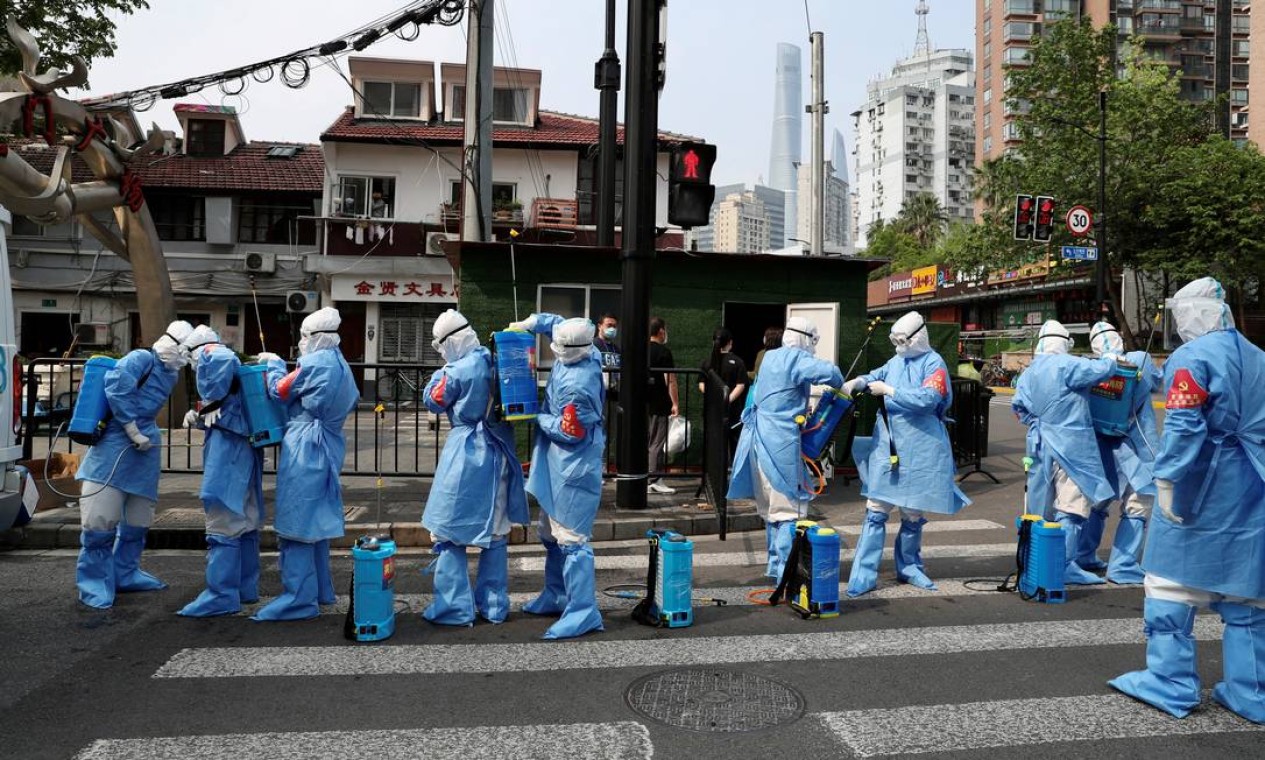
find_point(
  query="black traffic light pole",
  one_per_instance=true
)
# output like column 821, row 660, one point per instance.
column 606, row 79
column 641, row 114
column 1100, row 271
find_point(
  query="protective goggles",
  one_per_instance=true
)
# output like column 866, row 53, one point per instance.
column 810, row 336
column 437, row 342
column 900, row 340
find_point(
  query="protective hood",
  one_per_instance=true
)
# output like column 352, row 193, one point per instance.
column 453, row 336
column 320, row 330
column 1200, row 308
column 169, row 348
column 200, row 337
column 909, row 336
column 1105, row 339
column 1053, row 338
column 800, row 333
column 572, row 340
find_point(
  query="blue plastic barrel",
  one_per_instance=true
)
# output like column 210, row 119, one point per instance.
column 373, row 588
column 92, row 410
column 1111, row 401
column 1044, row 558
column 674, row 581
column 820, row 428
column 265, row 415
column 516, row 374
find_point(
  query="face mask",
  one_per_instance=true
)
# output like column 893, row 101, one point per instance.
column 665, row 337
column 609, row 333
column 303, row 344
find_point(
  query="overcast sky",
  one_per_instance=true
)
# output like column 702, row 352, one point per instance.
column 720, row 59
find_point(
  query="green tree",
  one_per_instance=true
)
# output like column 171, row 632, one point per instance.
column 922, row 217
column 64, row 28
column 888, row 240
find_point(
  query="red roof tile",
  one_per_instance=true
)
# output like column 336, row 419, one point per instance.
column 552, row 130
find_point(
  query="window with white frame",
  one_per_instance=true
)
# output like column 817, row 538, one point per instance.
column 364, row 197
column 392, row 99
column 509, row 104
column 573, row 301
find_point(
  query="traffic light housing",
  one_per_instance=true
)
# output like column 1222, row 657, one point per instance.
column 690, row 192
column 1044, row 227
column 1024, row 214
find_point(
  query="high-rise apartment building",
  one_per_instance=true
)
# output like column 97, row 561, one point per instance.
column 741, row 225
column 774, row 212
column 836, row 208
column 1207, row 41
column 915, row 134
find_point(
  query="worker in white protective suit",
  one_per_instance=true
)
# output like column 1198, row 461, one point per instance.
column 1206, row 546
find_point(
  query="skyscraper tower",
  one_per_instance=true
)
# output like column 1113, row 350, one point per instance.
column 788, row 107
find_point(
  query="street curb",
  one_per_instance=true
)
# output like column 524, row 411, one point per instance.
column 47, row 535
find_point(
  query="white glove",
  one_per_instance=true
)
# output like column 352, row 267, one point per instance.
column 209, row 418
column 139, row 439
column 192, row 419
column 527, row 325
column 852, row 386
column 1164, row 500
column 266, row 356
column 880, row 388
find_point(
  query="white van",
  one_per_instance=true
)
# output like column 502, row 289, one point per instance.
column 12, row 484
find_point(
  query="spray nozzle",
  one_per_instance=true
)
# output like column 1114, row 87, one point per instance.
column 1027, row 463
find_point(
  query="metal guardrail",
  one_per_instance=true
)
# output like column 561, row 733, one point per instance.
column 404, row 440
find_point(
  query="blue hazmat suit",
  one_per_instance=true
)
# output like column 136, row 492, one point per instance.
column 131, row 401
column 1206, row 542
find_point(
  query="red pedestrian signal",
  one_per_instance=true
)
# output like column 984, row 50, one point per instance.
column 1023, row 217
column 692, row 162
column 1044, row 227
column 690, row 192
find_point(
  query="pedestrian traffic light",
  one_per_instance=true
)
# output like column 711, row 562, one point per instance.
column 690, row 192
column 1023, row 217
column 1044, row 227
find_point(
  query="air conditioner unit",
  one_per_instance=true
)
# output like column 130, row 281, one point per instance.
column 435, row 242
column 92, row 334
column 302, row 301
column 261, row 263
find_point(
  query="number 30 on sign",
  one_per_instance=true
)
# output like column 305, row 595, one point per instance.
column 1080, row 220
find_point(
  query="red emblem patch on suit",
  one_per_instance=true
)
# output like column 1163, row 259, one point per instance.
column 938, row 380
column 1185, row 392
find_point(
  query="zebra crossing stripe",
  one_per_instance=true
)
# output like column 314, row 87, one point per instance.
column 939, row 526
column 623, row 740
column 589, row 653
column 759, row 558
column 976, row 726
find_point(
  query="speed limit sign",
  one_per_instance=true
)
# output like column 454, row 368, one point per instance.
column 1080, row 220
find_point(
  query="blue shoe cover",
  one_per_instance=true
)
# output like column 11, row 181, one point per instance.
column 248, row 587
column 223, row 574
column 780, row 536
column 908, row 552
column 94, row 572
column 297, row 601
column 864, row 575
column 1242, row 688
column 128, row 575
column 553, row 600
column 1091, row 537
column 324, row 579
column 581, row 615
column 1072, row 572
column 491, row 583
column 453, row 603
column 1170, row 681
column 1124, row 567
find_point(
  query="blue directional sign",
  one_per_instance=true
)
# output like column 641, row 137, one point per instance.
column 1079, row 253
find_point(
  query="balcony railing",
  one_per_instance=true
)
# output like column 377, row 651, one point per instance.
column 555, row 213
column 1023, row 7
column 1157, row 5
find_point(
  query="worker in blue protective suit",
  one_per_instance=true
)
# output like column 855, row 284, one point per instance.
column 478, row 487
column 914, row 388
column 1067, row 477
column 319, row 395
column 566, row 473
column 122, row 469
column 769, row 463
column 232, row 480
column 1206, row 547
column 1129, row 463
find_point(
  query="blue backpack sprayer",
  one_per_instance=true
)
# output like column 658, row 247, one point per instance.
column 669, row 581
column 371, row 601
column 1040, row 555
column 810, row 582
column 91, row 416
column 514, row 366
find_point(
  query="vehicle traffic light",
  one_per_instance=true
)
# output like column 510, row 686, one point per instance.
column 1045, row 219
column 1023, row 217
column 690, row 192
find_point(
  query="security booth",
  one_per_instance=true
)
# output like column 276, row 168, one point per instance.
column 693, row 292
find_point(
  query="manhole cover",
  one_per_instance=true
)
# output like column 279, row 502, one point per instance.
column 714, row 700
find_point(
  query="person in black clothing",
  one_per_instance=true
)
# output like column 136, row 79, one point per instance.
column 733, row 372
column 662, row 401
column 612, row 358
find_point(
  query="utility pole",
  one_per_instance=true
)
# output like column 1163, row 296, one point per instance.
column 641, row 115
column 606, row 79
column 818, row 109
column 1101, row 270
column 476, row 188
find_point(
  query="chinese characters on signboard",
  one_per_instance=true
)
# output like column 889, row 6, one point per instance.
column 419, row 289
